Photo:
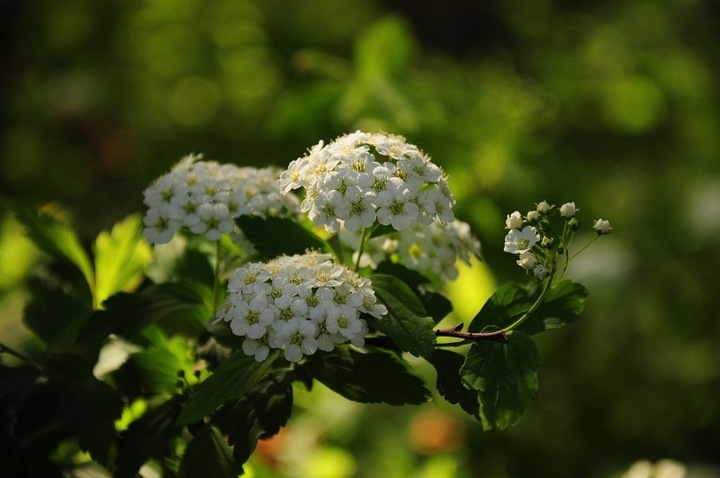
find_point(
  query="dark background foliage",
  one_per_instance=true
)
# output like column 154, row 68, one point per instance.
column 611, row 104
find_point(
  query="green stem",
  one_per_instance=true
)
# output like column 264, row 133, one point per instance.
column 5, row 349
column 364, row 236
column 533, row 307
column 216, row 281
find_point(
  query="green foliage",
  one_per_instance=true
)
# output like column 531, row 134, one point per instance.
column 505, row 378
column 368, row 378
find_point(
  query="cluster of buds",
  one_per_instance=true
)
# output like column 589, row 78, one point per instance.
column 542, row 236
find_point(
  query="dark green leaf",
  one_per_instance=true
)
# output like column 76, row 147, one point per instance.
column 260, row 414
column 449, row 382
column 505, row 377
column 121, row 255
column 92, row 408
column 56, row 239
column 367, row 378
column 17, row 379
column 175, row 307
column 234, row 378
column 406, row 321
column 208, row 454
column 274, row 236
column 150, row 371
column 147, row 437
column 562, row 304
column 50, row 310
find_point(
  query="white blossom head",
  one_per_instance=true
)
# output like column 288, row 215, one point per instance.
column 298, row 304
column 602, row 226
column 205, row 197
column 362, row 179
column 519, row 241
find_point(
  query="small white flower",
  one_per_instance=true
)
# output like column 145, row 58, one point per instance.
column 541, row 271
column 160, row 225
column 517, row 242
column 257, row 348
column 602, row 226
column 568, row 210
column 533, row 216
column 514, row 220
column 527, row 260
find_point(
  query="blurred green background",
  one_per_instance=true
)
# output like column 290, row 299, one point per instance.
column 612, row 104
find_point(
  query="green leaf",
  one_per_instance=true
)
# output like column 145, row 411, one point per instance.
column 406, row 321
column 120, row 258
column 449, row 382
column 207, row 454
column 150, row 371
column 17, row 380
column 92, row 408
column 367, row 378
column 147, row 437
column 384, row 49
column 504, row 376
column 259, row 414
column 177, row 308
column 234, row 378
column 50, row 310
column 562, row 304
column 274, row 236
column 56, row 239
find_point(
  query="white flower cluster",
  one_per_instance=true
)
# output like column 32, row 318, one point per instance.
column 206, row 197
column 432, row 249
column 298, row 304
column 363, row 178
column 531, row 236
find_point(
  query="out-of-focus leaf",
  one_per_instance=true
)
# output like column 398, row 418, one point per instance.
column 274, row 236
column 406, row 321
column 121, row 255
column 504, row 376
column 562, row 304
column 234, row 378
column 58, row 240
column 50, row 310
column 367, row 378
column 17, row 379
column 384, row 49
column 91, row 408
column 208, row 454
column 147, row 437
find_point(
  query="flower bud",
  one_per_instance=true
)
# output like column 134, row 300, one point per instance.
column 602, row 226
column 543, row 207
column 568, row 210
column 514, row 221
column 541, row 271
column 533, row 216
column 527, row 260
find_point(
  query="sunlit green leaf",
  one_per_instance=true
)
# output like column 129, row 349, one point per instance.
column 208, row 454
column 406, row 322
column 121, row 255
column 57, row 239
column 367, row 378
column 505, row 377
column 235, row 377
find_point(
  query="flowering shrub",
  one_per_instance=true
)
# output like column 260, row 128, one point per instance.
column 232, row 288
